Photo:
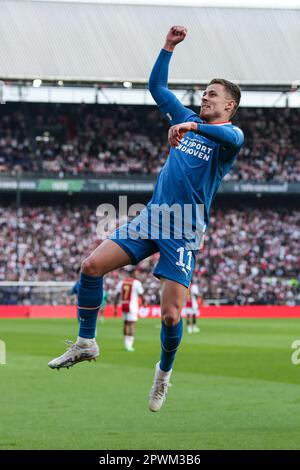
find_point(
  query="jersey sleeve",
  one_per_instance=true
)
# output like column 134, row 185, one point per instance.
column 167, row 102
column 229, row 136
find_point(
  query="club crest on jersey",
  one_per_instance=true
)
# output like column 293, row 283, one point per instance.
column 195, row 148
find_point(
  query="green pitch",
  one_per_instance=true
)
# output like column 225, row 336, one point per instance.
column 234, row 387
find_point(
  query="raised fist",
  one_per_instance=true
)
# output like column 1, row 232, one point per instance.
column 176, row 35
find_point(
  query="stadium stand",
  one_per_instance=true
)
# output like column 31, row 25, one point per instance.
column 91, row 140
column 250, row 255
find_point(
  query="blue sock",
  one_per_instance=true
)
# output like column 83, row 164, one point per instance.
column 90, row 294
column 170, row 339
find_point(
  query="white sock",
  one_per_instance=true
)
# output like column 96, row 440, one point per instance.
column 84, row 341
column 163, row 374
column 127, row 341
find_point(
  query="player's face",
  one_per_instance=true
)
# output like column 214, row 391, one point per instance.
column 216, row 104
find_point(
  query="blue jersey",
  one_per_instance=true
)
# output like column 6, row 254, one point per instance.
column 194, row 169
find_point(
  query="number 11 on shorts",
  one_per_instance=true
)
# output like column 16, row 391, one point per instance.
column 181, row 263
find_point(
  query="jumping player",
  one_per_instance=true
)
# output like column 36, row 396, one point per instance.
column 203, row 149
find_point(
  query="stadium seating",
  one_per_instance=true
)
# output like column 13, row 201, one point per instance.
column 250, row 256
column 81, row 140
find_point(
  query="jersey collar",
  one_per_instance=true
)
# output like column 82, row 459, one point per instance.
column 219, row 123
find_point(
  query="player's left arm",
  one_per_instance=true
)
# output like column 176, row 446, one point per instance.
column 230, row 137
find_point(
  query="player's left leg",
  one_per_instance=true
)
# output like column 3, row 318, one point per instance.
column 172, row 299
column 129, row 335
column 175, row 266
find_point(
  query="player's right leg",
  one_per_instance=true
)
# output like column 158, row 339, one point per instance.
column 105, row 258
column 176, row 267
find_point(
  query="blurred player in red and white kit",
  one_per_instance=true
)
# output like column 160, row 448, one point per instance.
column 191, row 309
column 128, row 291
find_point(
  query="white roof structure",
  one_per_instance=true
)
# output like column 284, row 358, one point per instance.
column 97, row 43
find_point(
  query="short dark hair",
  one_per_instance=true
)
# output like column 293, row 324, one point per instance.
column 233, row 89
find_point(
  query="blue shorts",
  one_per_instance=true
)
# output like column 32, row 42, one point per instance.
column 176, row 262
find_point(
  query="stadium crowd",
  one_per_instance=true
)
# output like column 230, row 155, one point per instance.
column 250, row 256
column 105, row 140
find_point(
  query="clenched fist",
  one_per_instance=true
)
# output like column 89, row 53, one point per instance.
column 178, row 131
column 176, row 35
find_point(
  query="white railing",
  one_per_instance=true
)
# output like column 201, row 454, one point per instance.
column 36, row 293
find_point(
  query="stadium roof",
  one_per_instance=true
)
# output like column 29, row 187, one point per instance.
column 110, row 43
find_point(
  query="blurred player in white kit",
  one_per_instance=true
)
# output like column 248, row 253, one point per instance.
column 191, row 309
column 128, row 292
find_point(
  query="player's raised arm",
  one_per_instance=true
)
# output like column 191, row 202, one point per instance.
column 167, row 102
column 176, row 35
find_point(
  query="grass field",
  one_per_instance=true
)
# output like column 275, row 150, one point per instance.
column 234, row 387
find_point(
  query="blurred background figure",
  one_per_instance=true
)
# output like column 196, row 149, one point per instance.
column 128, row 292
column 191, row 309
